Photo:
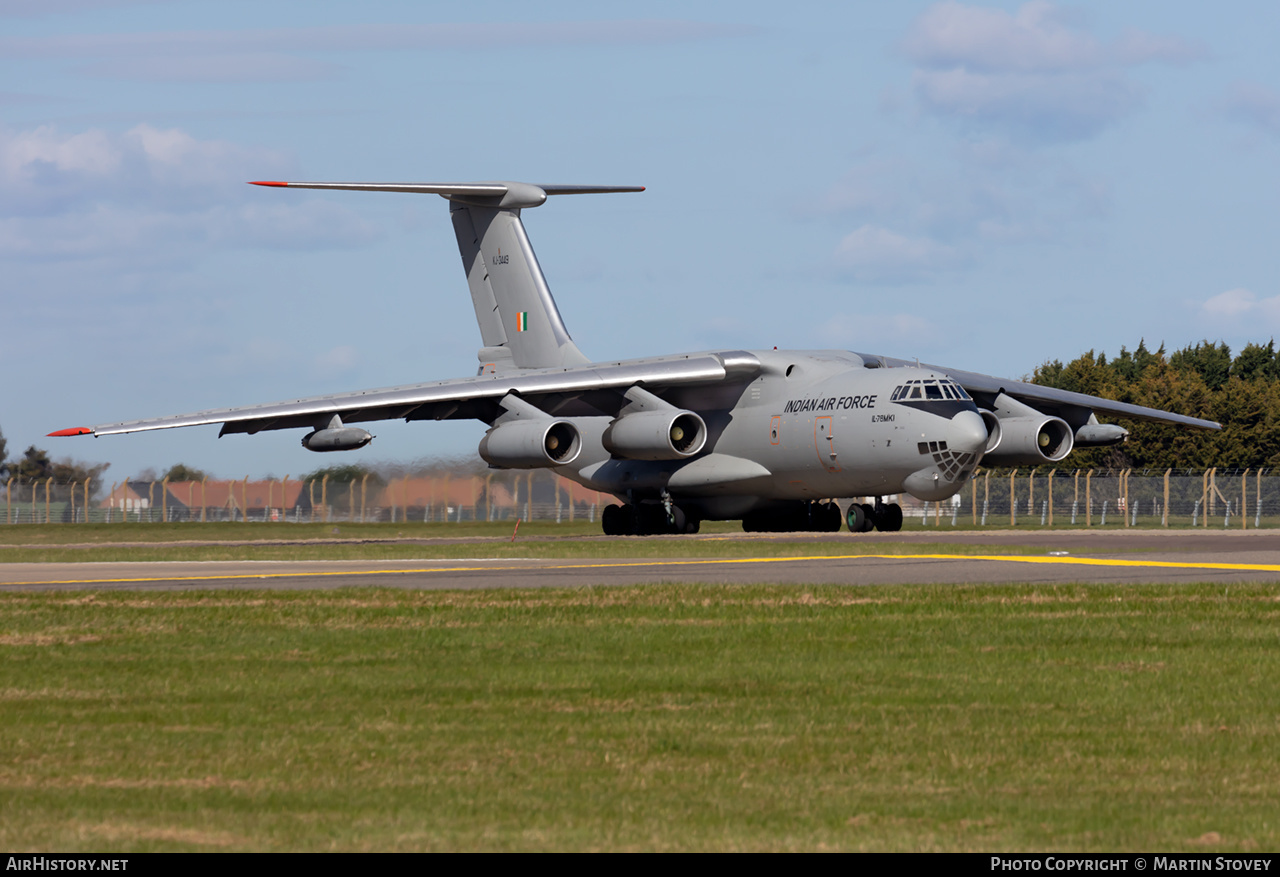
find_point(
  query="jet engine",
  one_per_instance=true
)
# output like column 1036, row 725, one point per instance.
column 343, row 438
column 665, row 434
column 1030, row 440
column 531, row 444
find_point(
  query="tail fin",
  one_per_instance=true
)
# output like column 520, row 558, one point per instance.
column 520, row 324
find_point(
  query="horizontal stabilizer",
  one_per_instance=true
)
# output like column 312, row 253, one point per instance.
column 489, row 194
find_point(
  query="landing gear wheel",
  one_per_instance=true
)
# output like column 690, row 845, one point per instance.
column 869, row 518
column 830, row 519
column 856, row 518
column 611, row 520
column 889, row 518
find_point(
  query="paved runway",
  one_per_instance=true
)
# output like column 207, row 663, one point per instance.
column 1061, row 557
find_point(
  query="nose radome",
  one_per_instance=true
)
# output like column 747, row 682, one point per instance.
column 967, row 434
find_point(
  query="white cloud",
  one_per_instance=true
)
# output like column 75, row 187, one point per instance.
column 1254, row 105
column 1055, row 106
column 266, row 54
column 1033, row 72
column 1241, row 307
column 1034, row 39
column 876, row 333
column 337, row 360
column 876, row 254
column 148, row 194
column 229, row 67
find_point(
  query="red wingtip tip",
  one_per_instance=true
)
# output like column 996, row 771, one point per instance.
column 268, row 183
column 75, row 430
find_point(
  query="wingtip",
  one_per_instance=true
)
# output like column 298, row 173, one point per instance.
column 276, row 183
column 75, row 430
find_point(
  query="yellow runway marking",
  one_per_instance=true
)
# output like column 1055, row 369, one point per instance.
column 1077, row 561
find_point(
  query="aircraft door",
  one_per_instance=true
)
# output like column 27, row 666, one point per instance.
column 824, row 443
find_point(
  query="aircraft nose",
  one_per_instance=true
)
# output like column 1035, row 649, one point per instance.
column 967, row 434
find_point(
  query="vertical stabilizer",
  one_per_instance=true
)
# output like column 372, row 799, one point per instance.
column 520, row 324
column 513, row 304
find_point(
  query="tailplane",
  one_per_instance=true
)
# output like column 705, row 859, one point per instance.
column 520, row 324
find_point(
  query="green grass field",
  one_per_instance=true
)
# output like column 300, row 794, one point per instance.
column 659, row 718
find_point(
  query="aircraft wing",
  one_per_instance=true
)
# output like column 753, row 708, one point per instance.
column 1061, row 403
column 591, row 389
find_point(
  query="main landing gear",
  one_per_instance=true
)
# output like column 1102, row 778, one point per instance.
column 646, row 519
column 808, row 517
column 885, row 517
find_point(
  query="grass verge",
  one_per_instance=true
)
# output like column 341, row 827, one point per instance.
column 665, row 717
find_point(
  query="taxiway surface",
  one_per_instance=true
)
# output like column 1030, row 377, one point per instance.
column 1133, row 557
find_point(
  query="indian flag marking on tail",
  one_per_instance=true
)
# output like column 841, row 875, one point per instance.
column 522, row 321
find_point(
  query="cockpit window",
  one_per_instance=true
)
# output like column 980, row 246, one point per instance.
column 931, row 389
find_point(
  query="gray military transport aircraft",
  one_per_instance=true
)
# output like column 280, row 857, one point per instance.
column 770, row 437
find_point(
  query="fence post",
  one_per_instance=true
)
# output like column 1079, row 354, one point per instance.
column 973, row 491
column 986, row 494
column 364, row 493
column 47, row 486
column 1013, row 502
column 1052, row 473
column 1204, row 497
column 8, row 501
column 204, row 499
column 284, row 498
column 1088, row 498
column 1244, row 499
column 1257, row 522
column 1124, row 486
column 1164, row 512
column 1031, row 491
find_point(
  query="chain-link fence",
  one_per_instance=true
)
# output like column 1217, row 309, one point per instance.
column 1243, row 499
column 504, row 496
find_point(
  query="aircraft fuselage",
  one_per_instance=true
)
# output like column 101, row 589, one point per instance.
column 811, row 425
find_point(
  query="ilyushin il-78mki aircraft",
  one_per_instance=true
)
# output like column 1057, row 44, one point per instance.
column 773, row 438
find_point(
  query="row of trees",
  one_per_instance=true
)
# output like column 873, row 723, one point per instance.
column 1204, row 380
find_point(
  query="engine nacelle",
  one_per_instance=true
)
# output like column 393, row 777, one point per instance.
column 345, row 438
column 1030, row 441
column 666, row 434
column 992, row 423
column 531, row 444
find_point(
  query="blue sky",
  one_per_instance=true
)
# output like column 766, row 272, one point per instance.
column 986, row 185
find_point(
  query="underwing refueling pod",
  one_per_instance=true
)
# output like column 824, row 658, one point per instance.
column 774, row 438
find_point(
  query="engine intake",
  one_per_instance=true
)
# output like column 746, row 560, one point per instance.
column 1031, row 440
column 670, row 434
column 531, row 444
